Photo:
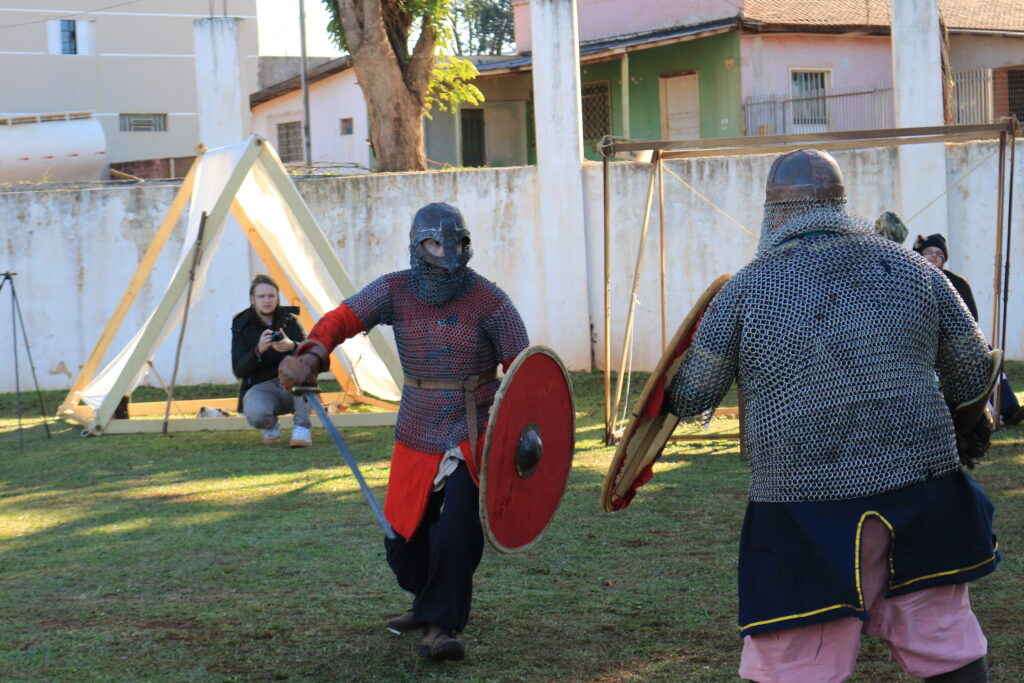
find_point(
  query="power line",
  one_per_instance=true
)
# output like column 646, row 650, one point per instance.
column 72, row 14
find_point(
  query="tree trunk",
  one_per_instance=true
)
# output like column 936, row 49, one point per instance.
column 947, row 73
column 394, row 86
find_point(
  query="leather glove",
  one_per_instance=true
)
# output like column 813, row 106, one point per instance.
column 973, row 445
column 302, row 369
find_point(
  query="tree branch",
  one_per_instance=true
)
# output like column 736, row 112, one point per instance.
column 418, row 72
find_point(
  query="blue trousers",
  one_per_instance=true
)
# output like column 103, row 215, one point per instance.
column 1008, row 404
column 436, row 565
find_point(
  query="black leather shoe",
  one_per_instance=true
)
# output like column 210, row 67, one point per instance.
column 975, row 672
column 1016, row 417
column 439, row 643
column 403, row 623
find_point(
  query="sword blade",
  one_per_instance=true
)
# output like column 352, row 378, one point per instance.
column 313, row 398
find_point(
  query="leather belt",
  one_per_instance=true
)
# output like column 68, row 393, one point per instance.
column 467, row 387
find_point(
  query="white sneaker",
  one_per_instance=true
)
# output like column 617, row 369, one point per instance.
column 273, row 435
column 301, row 438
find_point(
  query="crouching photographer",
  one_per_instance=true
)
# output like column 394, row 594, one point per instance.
column 261, row 336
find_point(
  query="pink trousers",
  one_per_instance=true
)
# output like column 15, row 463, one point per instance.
column 929, row 632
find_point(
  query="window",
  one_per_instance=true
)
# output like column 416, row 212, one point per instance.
column 346, row 126
column 473, row 147
column 597, row 110
column 1015, row 92
column 143, row 123
column 289, row 141
column 69, row 37
column 809, row 103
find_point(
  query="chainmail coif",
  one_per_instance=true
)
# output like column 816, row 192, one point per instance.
column 842, row 344
column 435, row 285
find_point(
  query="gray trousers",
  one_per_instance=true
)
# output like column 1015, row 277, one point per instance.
column 263, row 402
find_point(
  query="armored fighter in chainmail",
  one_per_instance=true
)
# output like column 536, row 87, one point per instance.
column 452, row 328
column 847, row 350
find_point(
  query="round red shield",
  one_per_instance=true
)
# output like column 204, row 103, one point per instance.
column 651, row 424
column 528, row 447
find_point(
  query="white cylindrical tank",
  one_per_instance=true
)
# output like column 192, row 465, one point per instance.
column 51, row 148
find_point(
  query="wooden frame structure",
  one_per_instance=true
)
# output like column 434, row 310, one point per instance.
column 147, row 417
column 662, row 150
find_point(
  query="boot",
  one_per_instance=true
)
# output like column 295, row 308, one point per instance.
column 404, row 623
column 975, row 672
column 439, row 643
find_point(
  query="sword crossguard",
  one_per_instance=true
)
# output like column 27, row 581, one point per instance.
column 306, row 389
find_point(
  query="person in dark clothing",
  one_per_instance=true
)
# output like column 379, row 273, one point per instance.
column 261, row 336
column 934, row 249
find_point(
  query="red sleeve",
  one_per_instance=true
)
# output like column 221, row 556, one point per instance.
column 335, row 327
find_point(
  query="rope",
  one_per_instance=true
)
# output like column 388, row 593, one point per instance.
column 629, row 369
column 710, row 203
column 950, row 187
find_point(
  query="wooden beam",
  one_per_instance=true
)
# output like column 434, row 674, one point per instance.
column 235, row 423
column 767, row 143
column 846, row 144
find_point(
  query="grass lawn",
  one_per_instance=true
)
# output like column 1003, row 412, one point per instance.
column 208, row 557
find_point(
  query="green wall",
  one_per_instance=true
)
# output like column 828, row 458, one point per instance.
column 721, row 108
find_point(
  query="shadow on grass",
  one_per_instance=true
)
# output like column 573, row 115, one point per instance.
column 206, row 556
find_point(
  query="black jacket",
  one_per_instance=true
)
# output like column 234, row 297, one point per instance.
column 246, row 328
column 964, row 290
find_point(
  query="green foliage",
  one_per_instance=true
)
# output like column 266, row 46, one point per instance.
column 397, row 13
column 450, row 85
column 483, row 27
column 207, row 557
column 450, row 79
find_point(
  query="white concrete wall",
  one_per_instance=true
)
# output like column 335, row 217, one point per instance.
column 74, row 251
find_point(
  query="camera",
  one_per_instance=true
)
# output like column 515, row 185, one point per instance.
column 277, row 336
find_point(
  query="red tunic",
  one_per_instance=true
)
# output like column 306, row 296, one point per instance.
column 419, row 446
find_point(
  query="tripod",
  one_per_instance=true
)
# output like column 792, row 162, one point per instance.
column 5, row 278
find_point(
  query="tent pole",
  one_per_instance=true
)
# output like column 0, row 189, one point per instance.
column 607, row 308
column 997, row 284
column 196, row 257
column 630, row 317
column 661, row 241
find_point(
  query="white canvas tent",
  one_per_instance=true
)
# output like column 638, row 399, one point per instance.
column 248, row 180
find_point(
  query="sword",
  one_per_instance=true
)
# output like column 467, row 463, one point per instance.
column 321, row 412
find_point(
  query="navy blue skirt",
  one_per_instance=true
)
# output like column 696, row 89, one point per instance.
column 798, row 561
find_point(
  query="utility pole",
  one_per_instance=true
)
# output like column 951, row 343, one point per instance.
column 306, row 146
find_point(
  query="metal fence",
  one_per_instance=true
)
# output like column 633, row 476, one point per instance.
column 979, row 96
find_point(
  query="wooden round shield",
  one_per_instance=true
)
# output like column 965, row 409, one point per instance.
column 651, row 424
column 527, row 453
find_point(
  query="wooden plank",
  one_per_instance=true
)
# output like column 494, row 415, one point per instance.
column 975, row 131
column 75, row 414
column 176, row 289
column 705, row 437
column 340, row 420
column 191, row 407
column 142, row 273
column 781, row 149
